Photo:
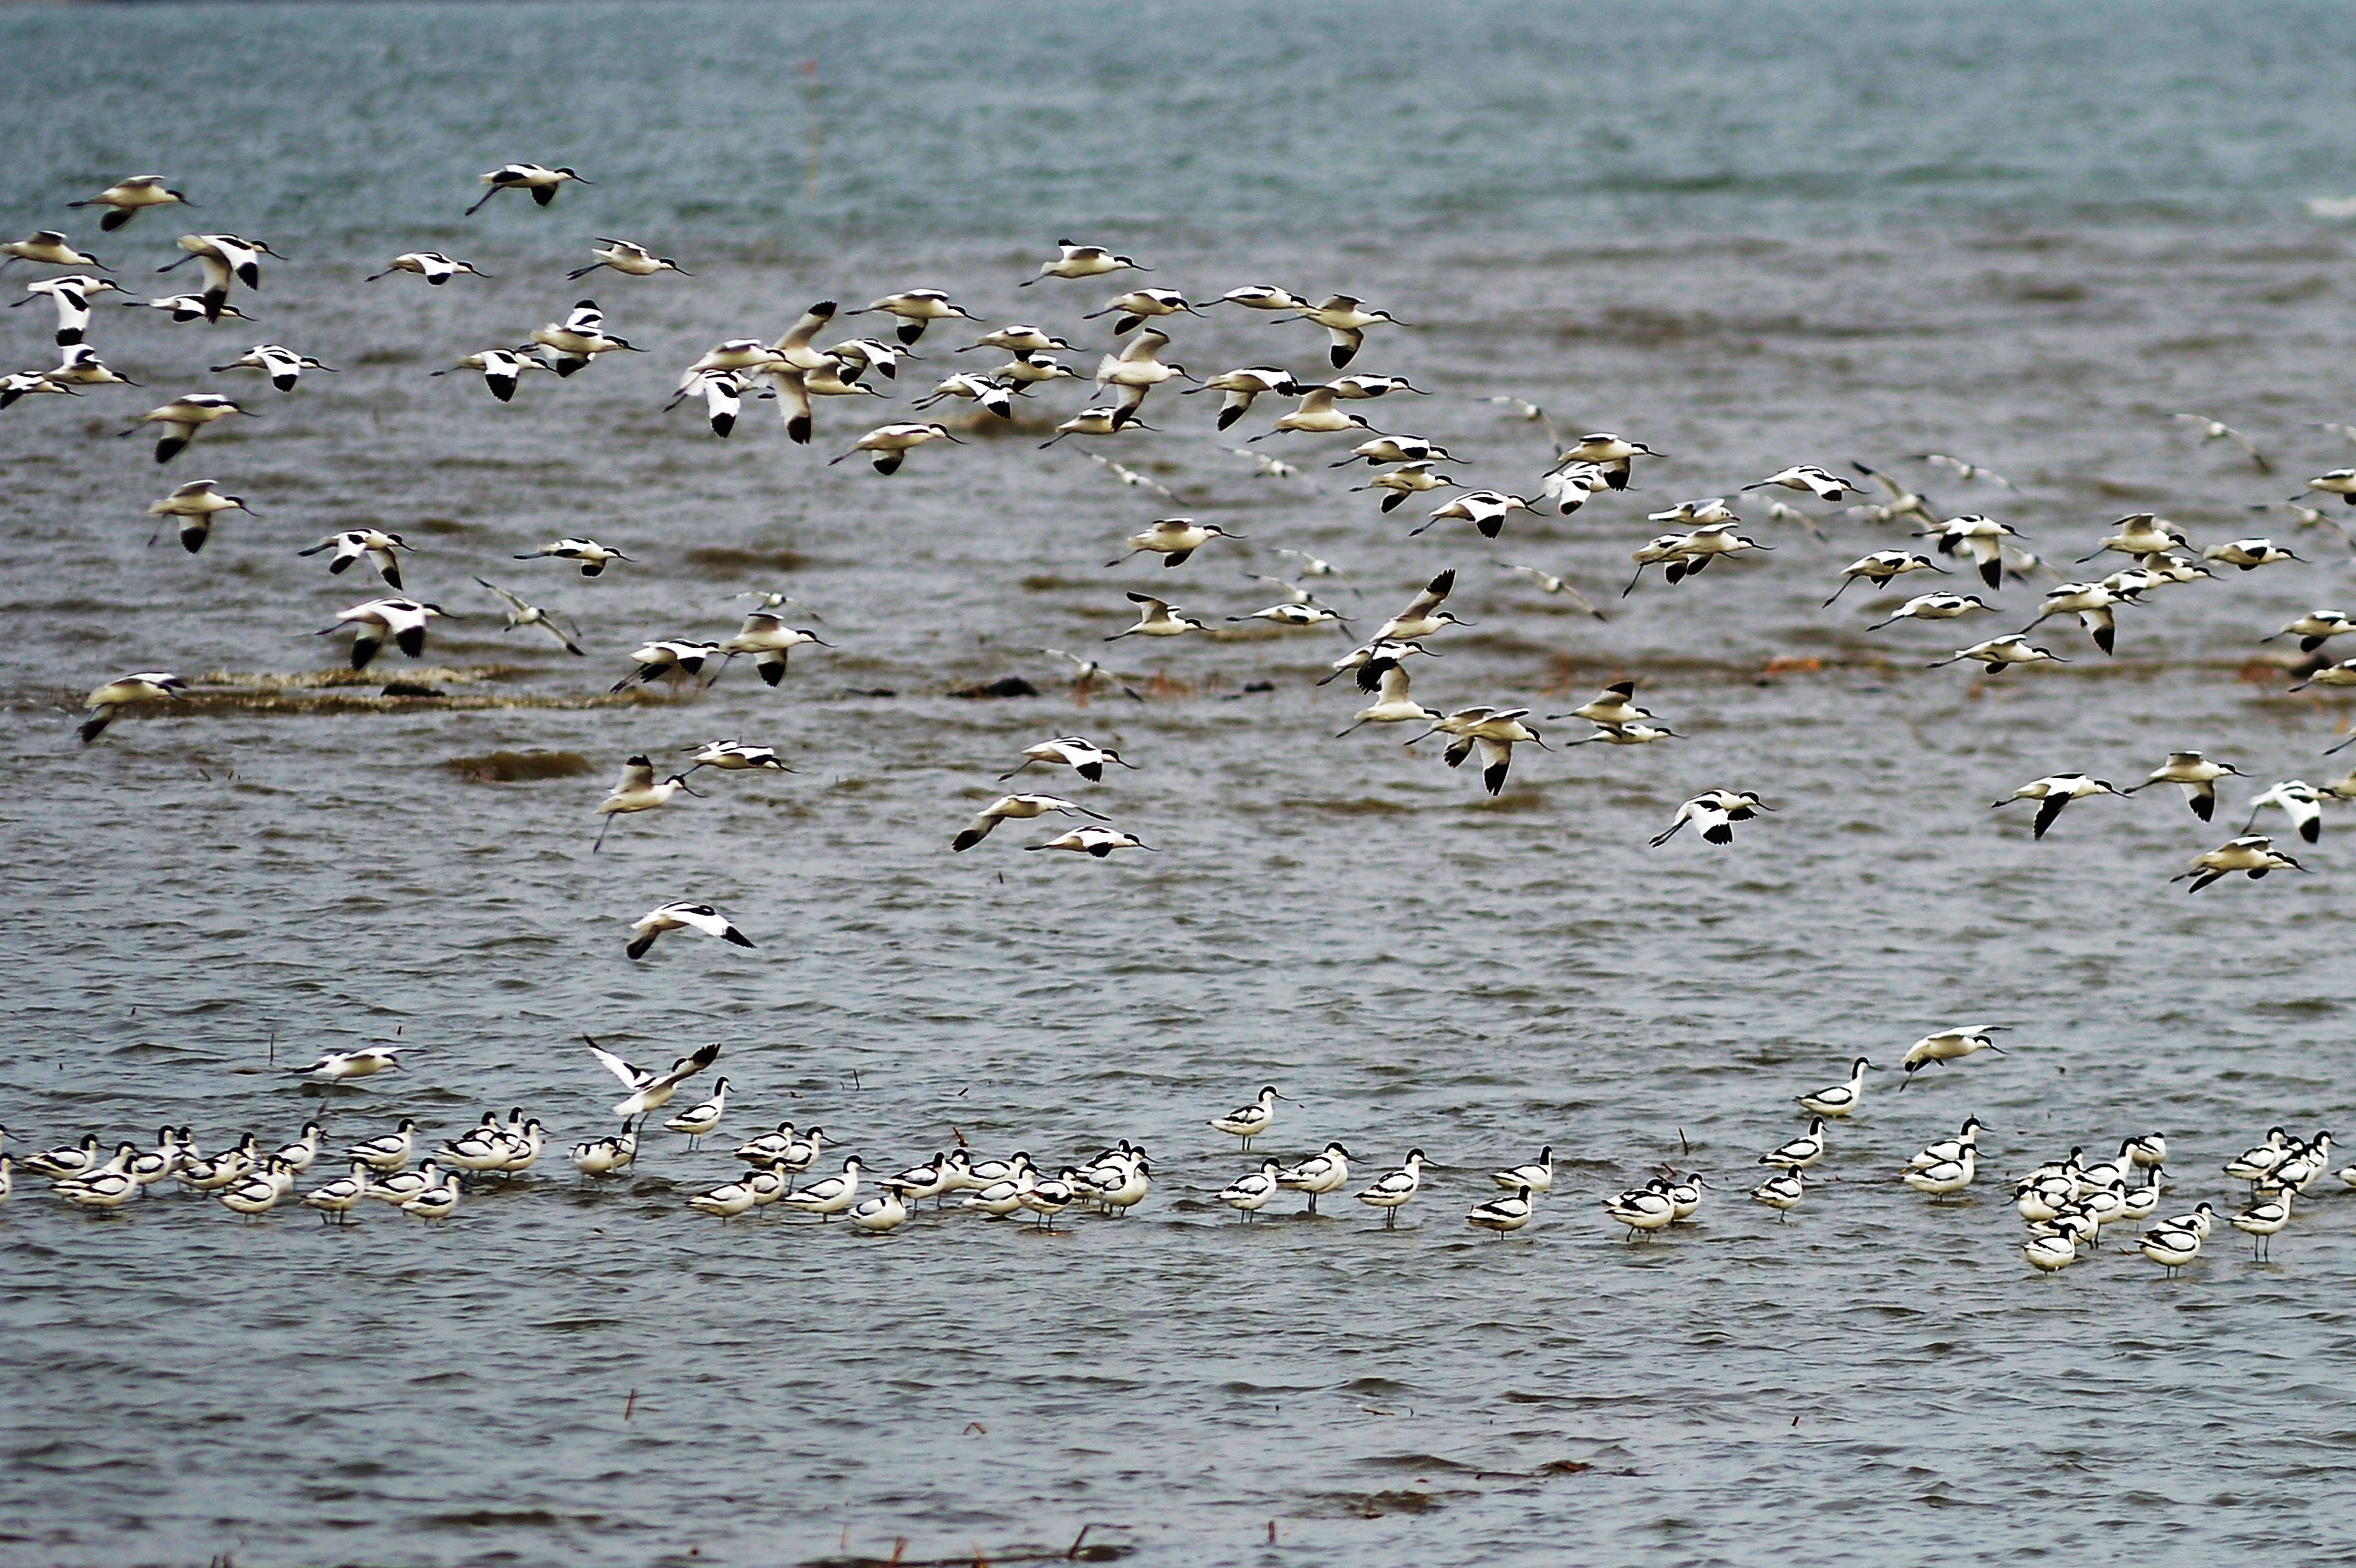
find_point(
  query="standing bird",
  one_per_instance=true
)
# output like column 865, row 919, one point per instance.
column 1839, row 1099
column 637, row 792
column 126, row 691
column 682, row 915
column 542, row 183
column 127, row 199
column 2053, row 793
column 1394, row 1189
column 1249, row 1122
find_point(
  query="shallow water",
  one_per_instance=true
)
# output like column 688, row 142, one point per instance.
column 2026, row 236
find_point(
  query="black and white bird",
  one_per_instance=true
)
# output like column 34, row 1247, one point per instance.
column 1078, row 753
column 1249, row 1122
column 225, row 258
column 2249, row 554
column 1823, row 484
column 196, row 504
column 1077, row 260
column 520, row 614
column 1016, row 808
column 579, row 338
column 1503, row 1215
column 1019, row 337
column 890, row 444
column 182, row 309
column 1135, row 307
column 2341, row 673
column 2140, row 534
column 2297, row 800
column 2053, row 794
column 2253, row 854
column 1157, row 618
column 1239, row 388
column 1494, row 733
column 183, row 417
column 1839, row 1100
column 1260, row 296
column 400, row 621
column 127, row 198
column 1934, row 607
column 768, row 639
column 1090, row 839
column 373, row 545
column 1387, row 449
column 681, row 915
column 2000, row 654
column 2314, row 628
column 280, row 364
column 502, row 368
column 2095, row 604
column 1137, row 370
column 2218, row 430
column 1978, row 537
column 652, row 1091
column 432, row 266
column 1549, row 584
column 1393, row 705
column 31, row 383
column 1949, row 1045
column 1315, row 414
column 1394, row 1189
column 1346, row 319
column 1101, row 420
column 48, row 248
column 1320, row 1173
column 1714, row 813
column 71, row 297
column 106, row 702
column 1175, row 540
column 637, row 790
column 543, row 182
column 1486, row 510
column 734, row 756
column 917, row 309
column 2340, row 481
column 628, row 258
column 341, row 1066
column 2196, row 774
column 989, row 394
column 1423, row 616
column 1411, row 479
column 587, row 554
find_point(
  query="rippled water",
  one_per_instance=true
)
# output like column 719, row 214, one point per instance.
column 1748, row 235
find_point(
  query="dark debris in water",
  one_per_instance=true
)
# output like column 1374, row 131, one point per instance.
column 518, row 767
column 1004, row 686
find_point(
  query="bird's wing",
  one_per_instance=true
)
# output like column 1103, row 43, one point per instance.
column 631, row 1077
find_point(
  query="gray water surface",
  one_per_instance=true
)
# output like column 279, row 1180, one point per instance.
column 1749, row 235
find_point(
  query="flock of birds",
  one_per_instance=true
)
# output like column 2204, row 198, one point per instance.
column 2068, row 1203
